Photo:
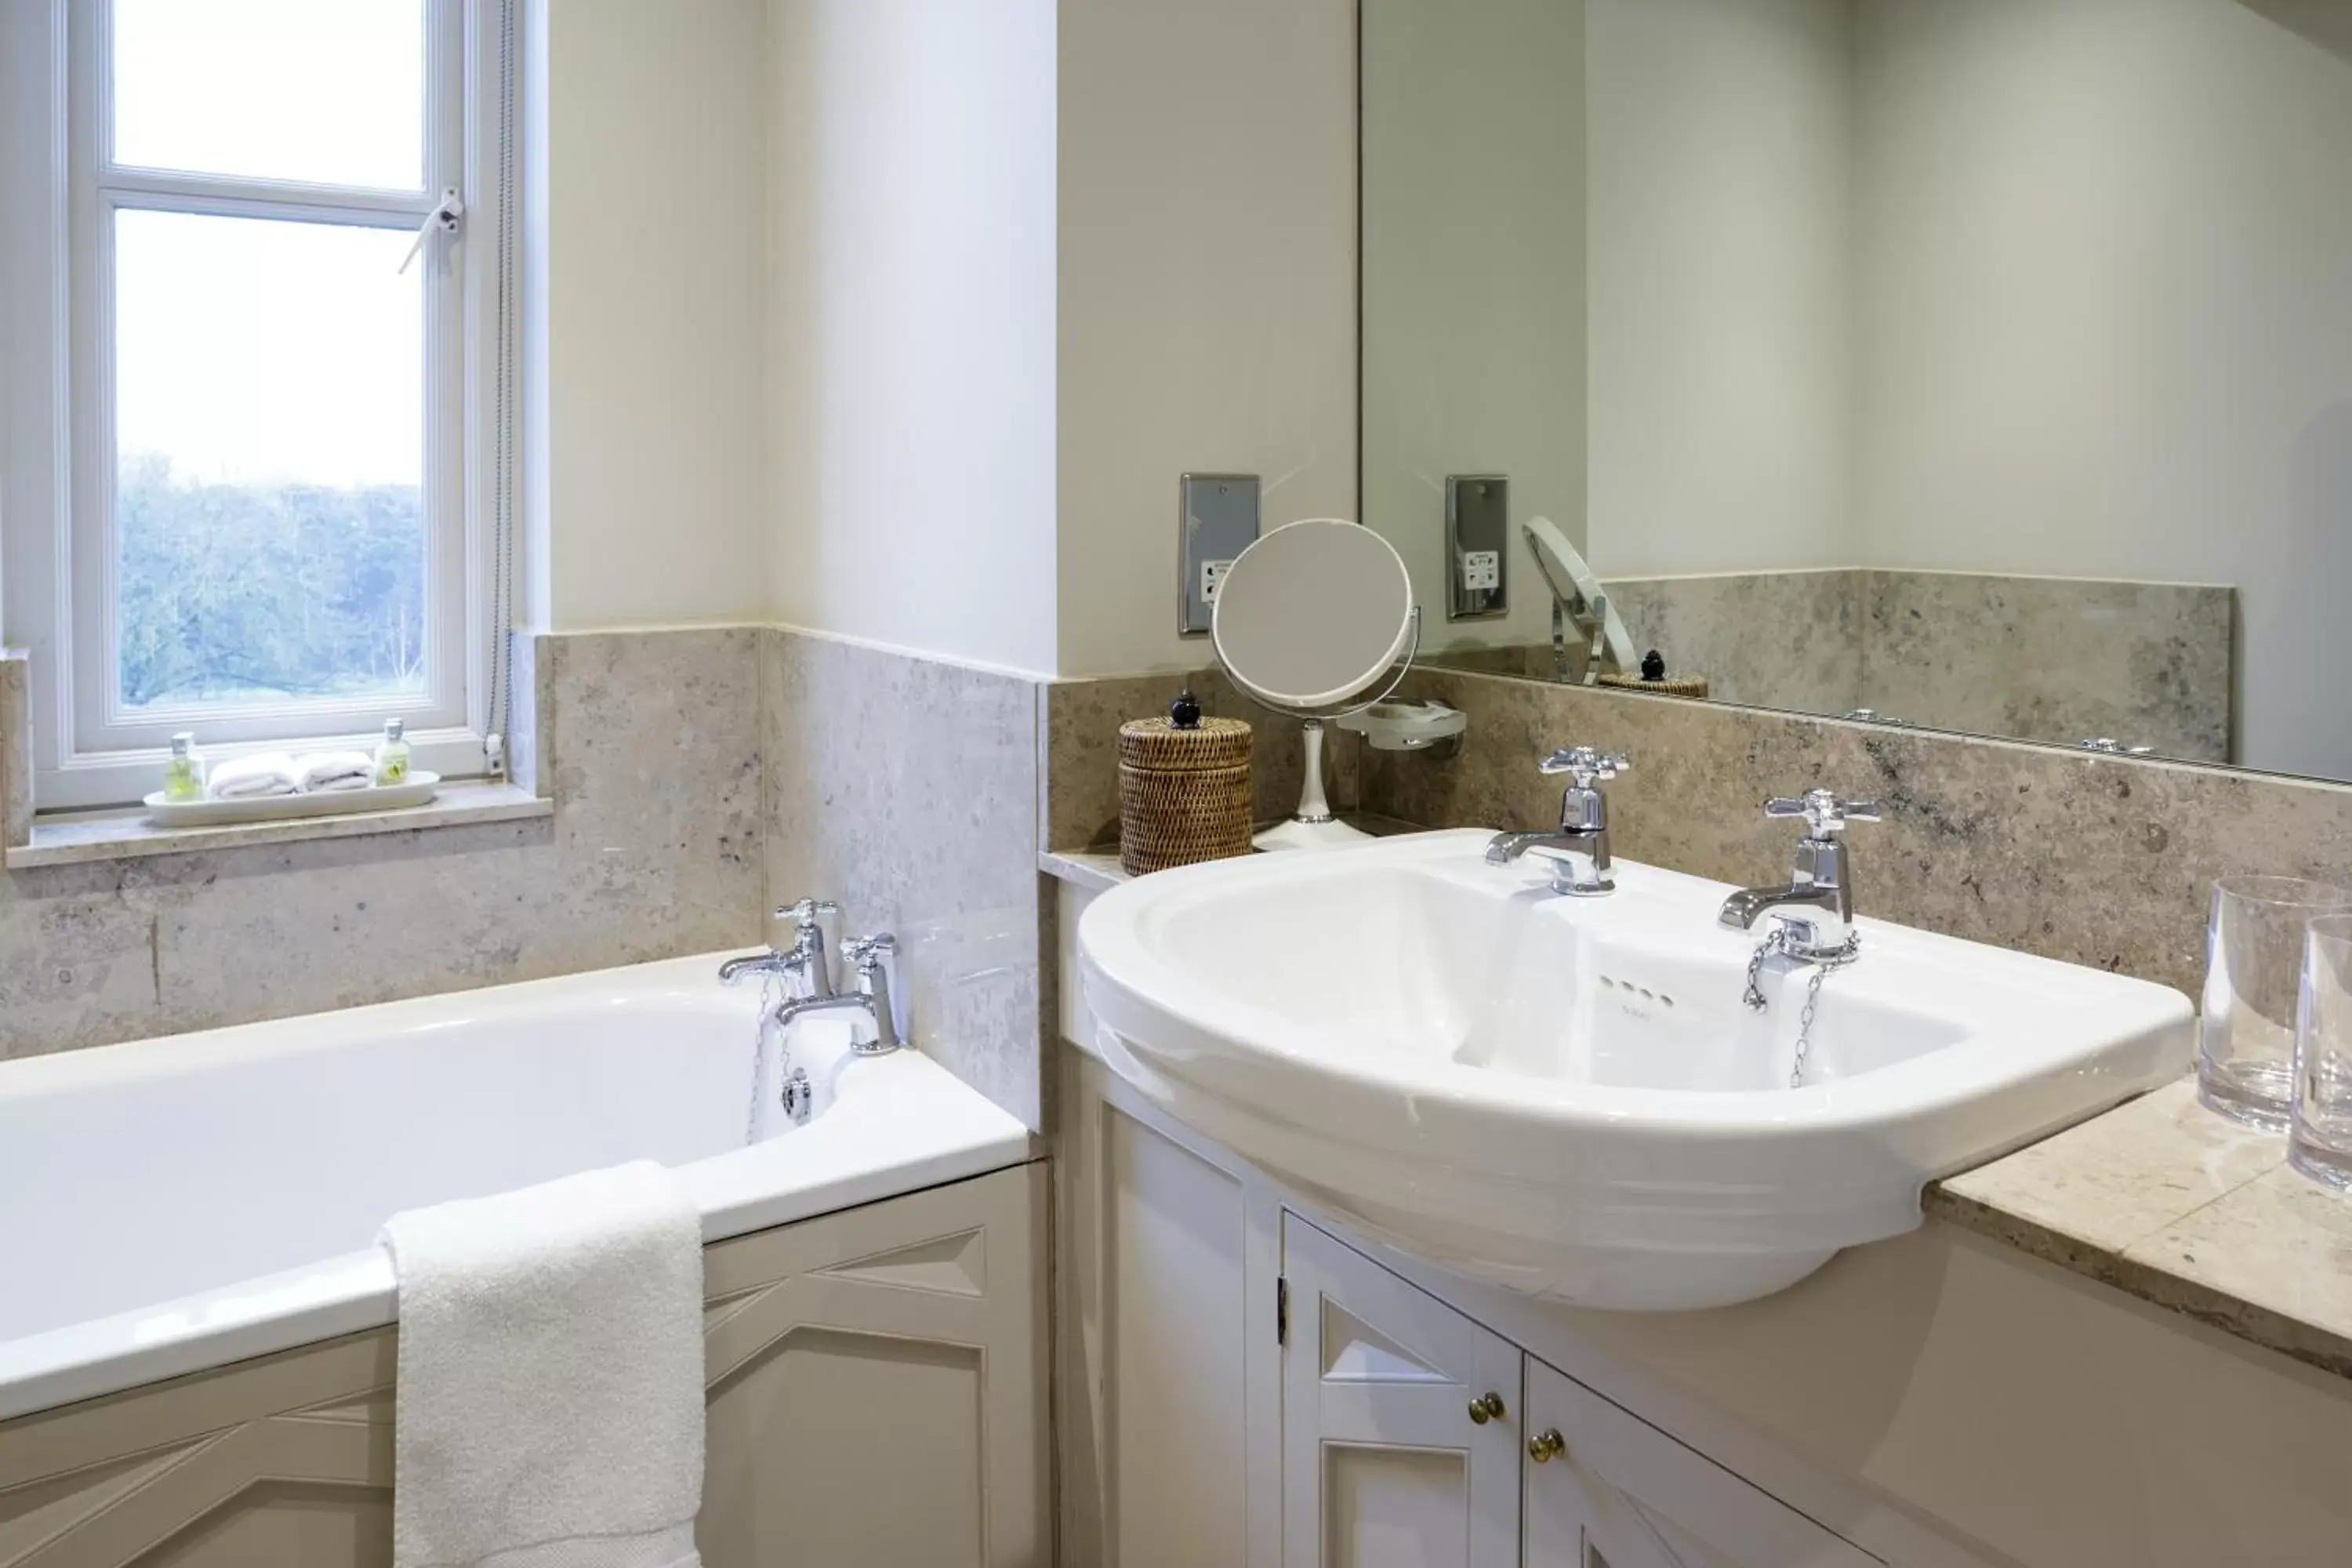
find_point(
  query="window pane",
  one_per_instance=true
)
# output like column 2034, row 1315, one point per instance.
column 270, row 436
column 330, row 91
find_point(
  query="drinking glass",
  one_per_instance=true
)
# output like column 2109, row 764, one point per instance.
column 2319, row 1144
column 2253, row 972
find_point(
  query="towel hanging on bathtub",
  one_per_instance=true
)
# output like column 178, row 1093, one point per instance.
column 549, row 1411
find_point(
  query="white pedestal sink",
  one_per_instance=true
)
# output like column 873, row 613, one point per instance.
column 1568, row 1096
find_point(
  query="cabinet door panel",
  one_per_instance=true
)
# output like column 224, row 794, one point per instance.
column 1622, row 1494
column 1383, row 1465
column 874, row 1388
column 1168, row 1394
column 1175, row 1234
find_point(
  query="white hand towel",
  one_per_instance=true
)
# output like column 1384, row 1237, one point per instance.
column 548, row 1408
column 241, row 778
column 318, row 771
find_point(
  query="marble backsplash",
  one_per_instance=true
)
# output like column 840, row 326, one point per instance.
column 1077, row 731
column 2052, row 658
column 2047, row 658
column 1766, row 639
column 2099, row 860
column 648, row 743
column 701, row 776
column 907, row 789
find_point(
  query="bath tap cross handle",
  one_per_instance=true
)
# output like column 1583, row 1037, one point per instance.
column 868, row 952
column 1825, row 812
column 1585, row 765
column 808, row 911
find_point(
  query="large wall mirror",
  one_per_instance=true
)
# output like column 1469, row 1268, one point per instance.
column 1982, row 365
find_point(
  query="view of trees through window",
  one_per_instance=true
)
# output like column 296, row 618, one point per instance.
column 240, row 592
column 271, row 360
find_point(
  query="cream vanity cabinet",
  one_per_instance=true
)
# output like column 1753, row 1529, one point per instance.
column 1411, row 1435
column 1238, row 1386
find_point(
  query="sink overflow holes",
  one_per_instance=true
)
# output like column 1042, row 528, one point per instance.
column 1610, row 982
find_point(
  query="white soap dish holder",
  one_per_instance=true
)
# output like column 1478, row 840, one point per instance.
column 1402, row 724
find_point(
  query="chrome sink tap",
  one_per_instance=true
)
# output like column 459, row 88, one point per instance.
column 1815, row 906
column 806, row 961
column 872, row 997
column 1579, row 850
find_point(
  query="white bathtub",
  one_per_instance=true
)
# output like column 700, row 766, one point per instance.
column 174, row 1205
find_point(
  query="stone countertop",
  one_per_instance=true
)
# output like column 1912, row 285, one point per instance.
column 1097, row 869
column 2179, row 1205
column 1090, row 870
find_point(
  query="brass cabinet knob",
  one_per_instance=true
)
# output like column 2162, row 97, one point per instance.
column 1546, row 1445
column 1487, row 1407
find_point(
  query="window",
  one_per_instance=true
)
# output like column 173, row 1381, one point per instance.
column 252, row 485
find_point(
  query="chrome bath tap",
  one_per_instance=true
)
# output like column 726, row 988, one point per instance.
column 1579, row 849
column 872, row 997
column 806, row 961
column 1815, row 906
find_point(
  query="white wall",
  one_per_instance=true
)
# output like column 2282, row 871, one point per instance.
column 910, row 448
column 647, row 238
column 899, row 319
column 2108, row 317
column 1206, row 291
column 1474, row 281
column 1719, row 267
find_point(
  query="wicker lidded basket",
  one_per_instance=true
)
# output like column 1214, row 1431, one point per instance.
column 1654, row 678
column 1667, row 686
column 1183, row 794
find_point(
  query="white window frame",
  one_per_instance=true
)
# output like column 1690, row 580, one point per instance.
column 56, row 357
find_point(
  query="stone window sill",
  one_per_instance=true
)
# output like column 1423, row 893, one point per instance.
column 75, row 838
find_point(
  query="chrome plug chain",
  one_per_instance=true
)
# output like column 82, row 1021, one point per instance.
column 1776, row 941
column 1823, row 964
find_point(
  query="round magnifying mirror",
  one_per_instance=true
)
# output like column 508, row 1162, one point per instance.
column 1313, row 616
column 1314, row 620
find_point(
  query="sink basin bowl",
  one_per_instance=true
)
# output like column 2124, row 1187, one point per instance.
column 1568, row 1096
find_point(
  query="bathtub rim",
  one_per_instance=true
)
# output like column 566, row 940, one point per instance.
column 901, row 1123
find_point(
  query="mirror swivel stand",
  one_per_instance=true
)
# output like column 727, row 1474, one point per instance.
column 1314, row 826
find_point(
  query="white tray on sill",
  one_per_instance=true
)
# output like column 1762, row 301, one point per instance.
column 419, row 788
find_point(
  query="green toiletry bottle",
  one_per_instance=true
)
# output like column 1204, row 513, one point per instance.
column 392, row 754
column 183, row 771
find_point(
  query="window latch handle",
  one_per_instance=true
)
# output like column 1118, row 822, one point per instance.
column 445, row 216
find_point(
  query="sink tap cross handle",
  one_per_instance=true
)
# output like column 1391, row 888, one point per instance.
column 1826, row 812
column 1585, row 765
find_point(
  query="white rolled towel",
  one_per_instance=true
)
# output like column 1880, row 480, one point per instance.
column 245, row 778
column 320, row 772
